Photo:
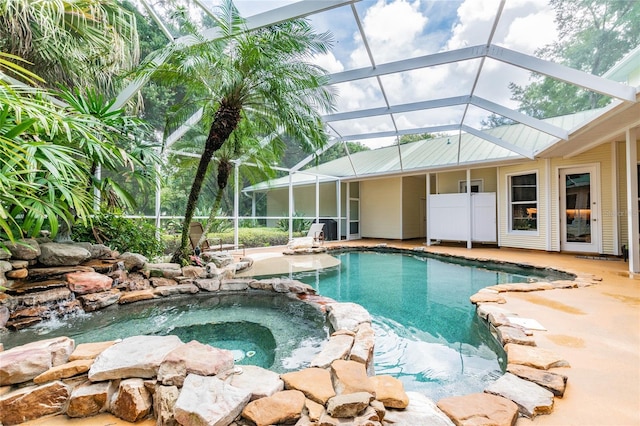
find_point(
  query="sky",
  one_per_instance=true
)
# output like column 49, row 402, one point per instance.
column 402, row 29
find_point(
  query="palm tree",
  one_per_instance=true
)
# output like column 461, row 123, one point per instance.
column 243, row 146
column 121, row 149
column 85, row 43
column 264, row 77
column 38, row 177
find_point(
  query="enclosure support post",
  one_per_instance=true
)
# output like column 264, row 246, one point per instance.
column 339, row 209
column 158, row 200
column 96, row 191
column 469, row 214
column 632, row 200
column 348, row 215
column 236, row 203
column 426, row 208
column 253, row 206
column 290, row 206
column 317, row 199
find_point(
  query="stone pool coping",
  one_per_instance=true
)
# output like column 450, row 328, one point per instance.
column 584, row 277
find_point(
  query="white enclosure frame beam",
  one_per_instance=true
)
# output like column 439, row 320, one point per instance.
column 292, row 11
column 497, row 141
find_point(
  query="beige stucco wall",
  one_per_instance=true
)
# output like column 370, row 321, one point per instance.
column 381, row 208
column 449, row 182
column 413, row 205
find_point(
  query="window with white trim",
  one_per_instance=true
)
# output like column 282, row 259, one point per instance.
column 523, row 201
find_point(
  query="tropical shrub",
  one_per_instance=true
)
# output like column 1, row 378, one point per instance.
column 121, row 233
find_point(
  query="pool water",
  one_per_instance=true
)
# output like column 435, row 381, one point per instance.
column 427, row 332
column 249, row 342
column 268, row 330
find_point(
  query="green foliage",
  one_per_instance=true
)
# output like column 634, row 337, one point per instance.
column 415, row 137
column 120, row 233
column 76, row 43
column 594, row 35
column 254, row 237
column 299, row 224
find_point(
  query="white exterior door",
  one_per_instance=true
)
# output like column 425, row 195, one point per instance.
column 580, row 228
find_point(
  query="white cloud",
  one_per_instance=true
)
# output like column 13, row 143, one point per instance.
column 520, row 36
column 392, row 30
column 329, row 62
column 397, row 29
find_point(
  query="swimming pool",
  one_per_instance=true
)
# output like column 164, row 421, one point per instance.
column 427, row 332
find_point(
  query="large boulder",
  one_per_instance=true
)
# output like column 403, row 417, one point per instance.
column 90, row 350
column 209, row 401
column 533, row 357
column 26, row 249
column 363, row 344
column 283, row 407
column 164, row 401
column 193, row 357
column 137, row 356
column 347, row 316
column 33, row 402
column 420, row 411
column 338, row 347
column 88, row 282
column 25, row 362
column 532, row 399
column 390, row 391
column 349, row 405
column 132, row 401
column 315, row 383
column 96, row 301
column 64, row 371
column 556, row 383
column 57, row 254
column 479, row 409
column 257, row 380
column 90, row 399
column 132, row 261
column 350, row 377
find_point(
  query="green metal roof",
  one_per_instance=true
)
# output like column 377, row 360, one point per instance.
column 445, row 151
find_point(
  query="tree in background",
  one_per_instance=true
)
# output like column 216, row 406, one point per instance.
column 70, row 43
column 263, row 76
column 50, row 148
column 593, row 36
column 415, row 137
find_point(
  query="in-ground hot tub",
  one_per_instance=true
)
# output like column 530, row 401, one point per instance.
column 270, row 330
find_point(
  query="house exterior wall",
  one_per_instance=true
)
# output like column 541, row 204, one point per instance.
column 381, row 208
column 413, row 205
column 547, row 237
column 622, row 191
column 523, row 239
column 449, row 182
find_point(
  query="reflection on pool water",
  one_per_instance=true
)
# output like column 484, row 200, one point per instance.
column 269, row 330
column 427, row 332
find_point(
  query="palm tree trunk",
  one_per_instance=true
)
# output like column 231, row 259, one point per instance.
column 225, row 121
column 224, row 168
column 212, row 216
